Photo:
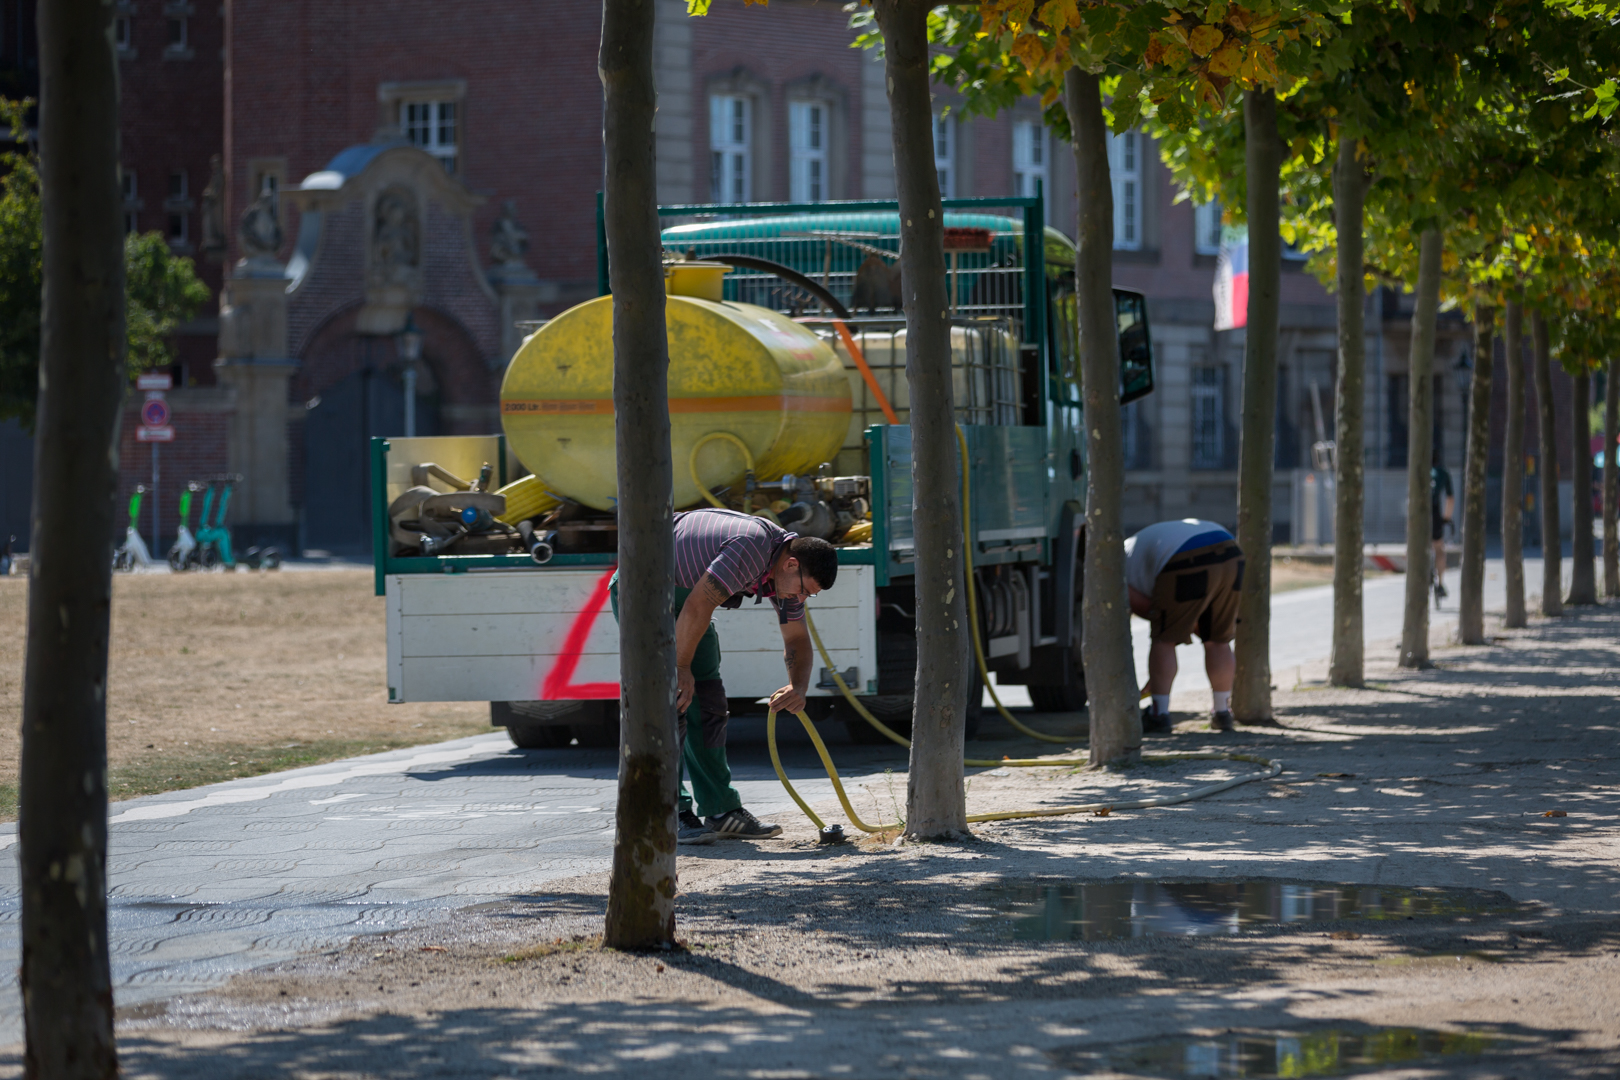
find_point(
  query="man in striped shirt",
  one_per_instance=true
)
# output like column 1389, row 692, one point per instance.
column 721, row 557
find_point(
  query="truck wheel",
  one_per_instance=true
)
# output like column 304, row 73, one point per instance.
column 894, row 710
column 540, row 736
column 1069, row 695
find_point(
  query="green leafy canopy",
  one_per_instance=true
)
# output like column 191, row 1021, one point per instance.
column 161, row 289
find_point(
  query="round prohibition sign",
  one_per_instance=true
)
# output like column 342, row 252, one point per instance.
column 155, row 413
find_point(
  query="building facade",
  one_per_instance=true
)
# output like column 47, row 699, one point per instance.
column 346, row 173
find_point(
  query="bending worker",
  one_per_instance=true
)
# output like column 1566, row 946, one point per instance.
column 722, row 556
column 1184, row 577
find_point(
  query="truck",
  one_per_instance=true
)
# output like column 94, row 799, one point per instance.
column 788, row 396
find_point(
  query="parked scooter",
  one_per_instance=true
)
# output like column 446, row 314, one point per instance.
column 214, row 540
column 8, row 560
column 184, row 553
column 132, row 552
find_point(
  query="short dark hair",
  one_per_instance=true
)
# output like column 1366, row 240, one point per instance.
column 817, row 558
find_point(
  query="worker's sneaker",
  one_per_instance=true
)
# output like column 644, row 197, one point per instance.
column 691, row 830
column 1156, row 723
column 739, row 824
column 1222, row 721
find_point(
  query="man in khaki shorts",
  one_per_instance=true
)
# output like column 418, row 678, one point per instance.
column 1184, row 578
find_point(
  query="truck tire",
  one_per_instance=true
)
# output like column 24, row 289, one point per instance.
column 894, row 710
column 1070, row 694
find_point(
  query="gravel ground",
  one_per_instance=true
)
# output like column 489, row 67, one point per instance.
column 875, row 959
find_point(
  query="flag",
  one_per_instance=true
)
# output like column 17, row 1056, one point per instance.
column 1232, row 279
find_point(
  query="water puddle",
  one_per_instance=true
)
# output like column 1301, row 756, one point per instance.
column 1056, row 911
column 1262, row 1055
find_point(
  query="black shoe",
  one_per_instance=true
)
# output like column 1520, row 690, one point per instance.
column 690, row 829
column 739, row 824
column 1222, row 721
column 1440, row 591
column 1156, row 723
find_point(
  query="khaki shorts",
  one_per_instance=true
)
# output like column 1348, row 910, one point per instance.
column 1197, row 591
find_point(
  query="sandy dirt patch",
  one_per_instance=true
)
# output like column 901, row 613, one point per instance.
column 214, row 676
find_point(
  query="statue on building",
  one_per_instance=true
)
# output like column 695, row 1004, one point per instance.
column 260, row 232
column 395, row 237
column 213, row 210
column 509, row 240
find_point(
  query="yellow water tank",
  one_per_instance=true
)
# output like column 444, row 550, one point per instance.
column 735, row 368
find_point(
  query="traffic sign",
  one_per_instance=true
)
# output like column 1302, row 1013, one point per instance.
column 154, row 434
column 155, row 413
column 154, row 380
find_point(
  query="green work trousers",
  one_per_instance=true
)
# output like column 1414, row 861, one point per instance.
column 703, row 750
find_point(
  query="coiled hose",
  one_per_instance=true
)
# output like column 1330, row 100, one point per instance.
column 1272, row 768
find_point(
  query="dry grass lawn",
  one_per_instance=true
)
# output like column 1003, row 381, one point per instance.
column 215, row 676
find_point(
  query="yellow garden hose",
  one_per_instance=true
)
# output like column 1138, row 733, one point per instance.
column 691, row 465
column 1272, row 768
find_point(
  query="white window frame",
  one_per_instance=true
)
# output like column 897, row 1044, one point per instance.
column 1207, row 228
column 1031, row 157
column 124, row 32
column 945, row 154
column 184, row 23
column 731, row 159
column 1125, row 169
column 808, row 130
column 435, row 127
column 1208, row 414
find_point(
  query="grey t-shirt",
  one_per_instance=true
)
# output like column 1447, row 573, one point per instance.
column 1150, row 551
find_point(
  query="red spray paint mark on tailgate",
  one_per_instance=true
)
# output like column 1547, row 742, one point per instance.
column 559, row 683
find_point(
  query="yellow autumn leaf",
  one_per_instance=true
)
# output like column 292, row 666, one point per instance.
column 1205, row 39
column 1059, row 14
column 1226, row 60
column 1029, row 49
column 1050, row 96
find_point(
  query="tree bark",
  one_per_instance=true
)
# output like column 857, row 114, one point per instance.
column 936, row 801
column 1611, row 482
column 65, row 978
column 1471, row 591
column 1347, row 667
column 1116, row 722
column 1251, row 688
column 1552, row 544
column 1420, row 452
column 1582, row 573
column 641, row 890
column 1514, row 615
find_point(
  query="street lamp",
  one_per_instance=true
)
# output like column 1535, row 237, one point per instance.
column 409, row 344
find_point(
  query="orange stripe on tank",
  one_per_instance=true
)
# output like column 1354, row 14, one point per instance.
column 604, row 406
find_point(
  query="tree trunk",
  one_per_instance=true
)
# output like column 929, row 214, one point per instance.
column 65, row 978
column 1552, row 544
column 1349, row 190
column 1513, row 467
column 1471, row 591
column 1611, row 482
column 1257, row 447
column 936, row 802
column 1582, row 574
column 641, row 890
column 1420, row 452
column 1116, row 722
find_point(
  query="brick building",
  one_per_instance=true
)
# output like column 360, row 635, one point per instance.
column 380, row 165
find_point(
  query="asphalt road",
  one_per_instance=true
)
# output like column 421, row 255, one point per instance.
column 215, row 880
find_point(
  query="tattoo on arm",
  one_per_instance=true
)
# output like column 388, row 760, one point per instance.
column 712, row 590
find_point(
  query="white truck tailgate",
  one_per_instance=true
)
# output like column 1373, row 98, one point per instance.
column 528, row 635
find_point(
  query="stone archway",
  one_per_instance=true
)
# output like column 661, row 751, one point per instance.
column 350, row 389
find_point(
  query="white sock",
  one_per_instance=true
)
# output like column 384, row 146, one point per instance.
column 1223, row 700
column 1161, row 704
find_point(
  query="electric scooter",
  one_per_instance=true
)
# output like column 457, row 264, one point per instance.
column 132, row 552
column 183, row 554
column 214, row 540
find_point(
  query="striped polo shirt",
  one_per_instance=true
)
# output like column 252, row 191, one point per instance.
column 736, row 549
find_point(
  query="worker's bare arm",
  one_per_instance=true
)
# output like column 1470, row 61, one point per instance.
column 797, row 656
column 690, row 625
